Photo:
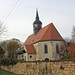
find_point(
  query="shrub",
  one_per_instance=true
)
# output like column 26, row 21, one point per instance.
column 6, row 61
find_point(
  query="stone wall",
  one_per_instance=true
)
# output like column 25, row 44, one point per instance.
column 42, row 68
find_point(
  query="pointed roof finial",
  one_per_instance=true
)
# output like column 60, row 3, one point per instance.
column 37, row 16
column 37, row 21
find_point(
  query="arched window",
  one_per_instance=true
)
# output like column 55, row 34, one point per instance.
column 57, row 48
column 46, row 59
column 45, row 49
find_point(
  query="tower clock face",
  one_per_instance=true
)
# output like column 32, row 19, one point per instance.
column 36, row 25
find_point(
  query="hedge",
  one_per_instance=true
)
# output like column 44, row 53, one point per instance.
column 8, row 61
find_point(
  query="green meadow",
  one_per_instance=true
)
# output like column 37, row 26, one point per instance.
column 3, row 72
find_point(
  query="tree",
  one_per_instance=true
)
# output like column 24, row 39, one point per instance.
column 71, row 49
column 71, row 46
column 1, row 52
column 12, row 46
column 62, row 50
column 4, row 46
column 73, row 34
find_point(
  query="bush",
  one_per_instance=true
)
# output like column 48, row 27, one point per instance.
column 66, row 55
column 6, row 61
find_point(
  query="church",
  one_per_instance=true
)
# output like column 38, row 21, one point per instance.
column 44, row 44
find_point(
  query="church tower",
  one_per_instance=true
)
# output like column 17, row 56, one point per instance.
column 37, row 24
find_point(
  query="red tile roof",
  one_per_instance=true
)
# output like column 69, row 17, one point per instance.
column 47, row 33
column 30, row 49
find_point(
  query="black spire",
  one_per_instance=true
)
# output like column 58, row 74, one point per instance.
column 37, row 24
column 37, row 16
column 37, row 21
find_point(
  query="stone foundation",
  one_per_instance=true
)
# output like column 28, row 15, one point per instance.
column 42, row 68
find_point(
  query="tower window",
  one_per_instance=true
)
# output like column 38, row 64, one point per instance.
column 45, row 49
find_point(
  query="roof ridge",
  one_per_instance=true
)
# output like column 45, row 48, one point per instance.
column 56, row 31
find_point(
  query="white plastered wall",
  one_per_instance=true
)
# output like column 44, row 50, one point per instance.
column 27, row 56
column 52, row 55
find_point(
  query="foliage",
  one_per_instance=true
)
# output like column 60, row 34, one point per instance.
column 66, row 52
column 62, row 50
column 1, row 52
column 66, row 55
column 4, row 45
column 6, row 61
column 71, row 49
column 72, row 55
column 10, row 47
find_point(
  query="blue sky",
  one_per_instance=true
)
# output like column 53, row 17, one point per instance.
column 20, row 21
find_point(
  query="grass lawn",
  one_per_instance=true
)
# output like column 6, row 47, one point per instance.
column 3, row 72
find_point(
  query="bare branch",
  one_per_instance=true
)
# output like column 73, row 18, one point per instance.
column 3, row 29
column 73, row 32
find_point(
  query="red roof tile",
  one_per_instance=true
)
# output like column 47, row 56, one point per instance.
column 49, row 32
column 30, row 49
column 29, row 39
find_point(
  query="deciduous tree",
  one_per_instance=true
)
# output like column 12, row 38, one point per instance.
column 73, row 32
column 71, row 49
column 12, row 46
